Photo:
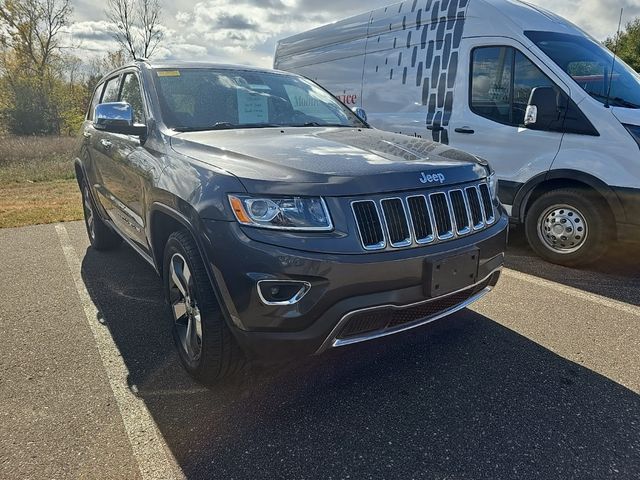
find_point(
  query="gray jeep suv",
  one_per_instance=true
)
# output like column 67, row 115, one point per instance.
column 280, row 223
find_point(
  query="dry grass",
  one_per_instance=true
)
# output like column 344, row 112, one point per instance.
column 37, row 181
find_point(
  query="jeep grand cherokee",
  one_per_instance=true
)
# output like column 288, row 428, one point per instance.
column 280, row 223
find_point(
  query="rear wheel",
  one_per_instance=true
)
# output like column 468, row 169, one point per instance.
column 100, row 234
column 569, row 227
column 205, row 344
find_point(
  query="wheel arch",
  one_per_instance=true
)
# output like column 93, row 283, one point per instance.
column 564, row 178
column 162, row 221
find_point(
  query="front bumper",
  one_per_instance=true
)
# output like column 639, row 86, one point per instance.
column 342, row 286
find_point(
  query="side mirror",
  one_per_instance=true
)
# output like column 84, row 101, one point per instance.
column 543, row 109
column 117, row 117
column 360, row 113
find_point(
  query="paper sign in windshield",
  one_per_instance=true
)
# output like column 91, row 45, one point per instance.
column 252, row 107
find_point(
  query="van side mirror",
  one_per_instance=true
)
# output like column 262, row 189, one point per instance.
column 360, row 113
column 117, row 117
column 543, row 109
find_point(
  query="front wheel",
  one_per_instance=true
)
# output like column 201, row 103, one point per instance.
column 570, row 227
column 206, row 346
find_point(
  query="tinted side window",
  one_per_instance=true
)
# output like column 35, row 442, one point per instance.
column 110, row 93
column 501, row 82
column 94, row 101
column 133, row 96
column 525, row 78
column 491, row 85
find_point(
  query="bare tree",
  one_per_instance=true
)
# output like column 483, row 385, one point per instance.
column 138, row 29
column 31, row 30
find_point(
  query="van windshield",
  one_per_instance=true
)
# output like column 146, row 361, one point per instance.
column 589, row 64
column 194, row 99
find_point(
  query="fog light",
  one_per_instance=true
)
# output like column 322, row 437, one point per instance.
column 282, row 292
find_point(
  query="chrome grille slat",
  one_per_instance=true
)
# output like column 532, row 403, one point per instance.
column 369, row 224
column 395, row 218
column 460, row 211
column 487, row 204
column 442, row 215
column 475, row 210
column 418, row 219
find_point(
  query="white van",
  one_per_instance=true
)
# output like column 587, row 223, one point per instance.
column 507, row 81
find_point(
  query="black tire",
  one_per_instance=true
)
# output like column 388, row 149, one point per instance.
column 219, row 354
column 101, row 236
column 579, row 211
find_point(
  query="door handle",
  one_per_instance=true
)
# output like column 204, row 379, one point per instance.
column 86, row 134
column 435, row 128
column 464, row 130
column 105, row 143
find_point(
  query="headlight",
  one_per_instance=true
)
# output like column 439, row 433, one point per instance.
column 634, row 130
column 492, row 181
column 283, row 213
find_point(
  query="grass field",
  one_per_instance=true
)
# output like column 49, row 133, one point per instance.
column 37, row 181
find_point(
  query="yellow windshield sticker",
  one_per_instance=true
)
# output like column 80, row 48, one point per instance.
column 168, row 73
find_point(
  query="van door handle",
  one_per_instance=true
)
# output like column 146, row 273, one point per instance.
column 464, row 130
column 86, row 134
column 105, row 143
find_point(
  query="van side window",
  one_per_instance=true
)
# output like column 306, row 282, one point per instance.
column 133, row 96
column 110, row 93
column 94, row 101
column 491, row 91
column 501, row 82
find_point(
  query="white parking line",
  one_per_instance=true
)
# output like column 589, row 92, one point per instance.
column 575, row 292
column 154, row 458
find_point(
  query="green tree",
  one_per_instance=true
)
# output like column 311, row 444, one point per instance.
column 628, row 48
column 32, row 63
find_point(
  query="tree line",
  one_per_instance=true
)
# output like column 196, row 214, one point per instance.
column 45, row 87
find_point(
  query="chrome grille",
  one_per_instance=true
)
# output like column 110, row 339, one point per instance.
column 424, row 218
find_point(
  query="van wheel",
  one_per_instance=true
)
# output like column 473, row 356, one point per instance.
column 205, row 344
column 100, row 234
column 570, row 227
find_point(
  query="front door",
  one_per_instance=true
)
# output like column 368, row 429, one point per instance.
column 488, row 119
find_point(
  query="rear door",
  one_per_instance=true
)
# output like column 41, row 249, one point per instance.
column 488, row 118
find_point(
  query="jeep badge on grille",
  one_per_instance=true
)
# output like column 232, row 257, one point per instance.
column 431, row 177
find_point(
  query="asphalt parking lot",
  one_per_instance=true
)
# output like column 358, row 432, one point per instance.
column 541, row 379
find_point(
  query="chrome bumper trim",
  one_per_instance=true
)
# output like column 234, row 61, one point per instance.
column 331, row 340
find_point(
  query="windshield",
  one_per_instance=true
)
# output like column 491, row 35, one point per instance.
column 215, row 99
column 589, row 64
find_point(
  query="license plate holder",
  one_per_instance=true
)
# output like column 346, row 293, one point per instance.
column 451, row 273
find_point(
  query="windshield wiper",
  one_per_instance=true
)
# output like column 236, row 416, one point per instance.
column 225, row 126
column 318, row 124
column 620, row 102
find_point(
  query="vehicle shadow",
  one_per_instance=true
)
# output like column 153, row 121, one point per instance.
column 461, row 398
column 616, row 275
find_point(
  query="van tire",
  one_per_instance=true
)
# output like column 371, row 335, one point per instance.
column 569, row 226
column 219, row 354
column 101, row 236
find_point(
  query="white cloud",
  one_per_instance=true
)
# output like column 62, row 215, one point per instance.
column 246, row 31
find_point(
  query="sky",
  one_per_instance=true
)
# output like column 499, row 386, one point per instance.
column 246, row 31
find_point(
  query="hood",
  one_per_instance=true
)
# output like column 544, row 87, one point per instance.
column 630, row 116
column 329, row 161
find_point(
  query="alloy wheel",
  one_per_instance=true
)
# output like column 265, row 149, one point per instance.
column 184, row 306
column 88, row 212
